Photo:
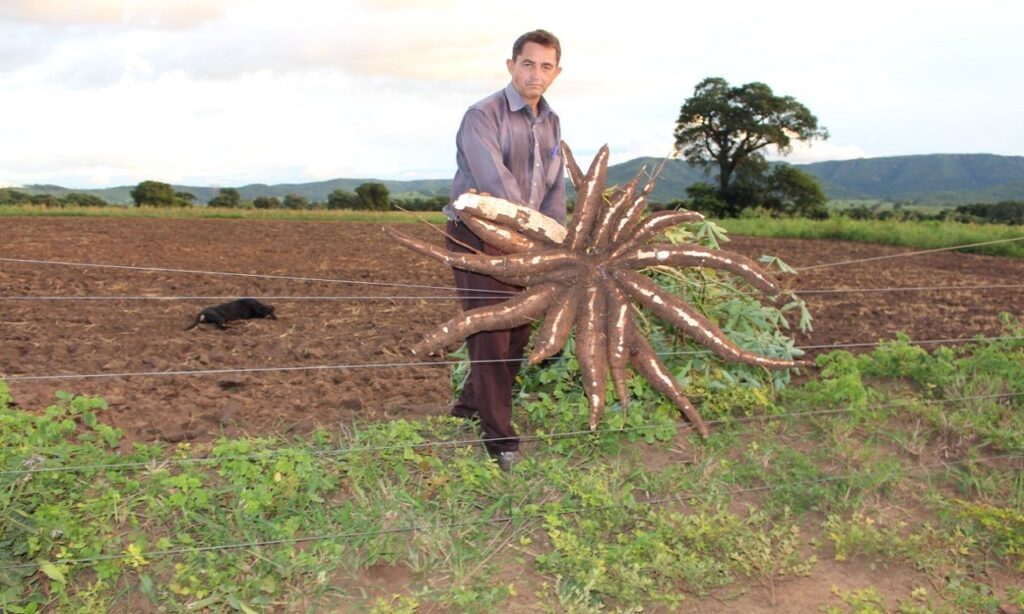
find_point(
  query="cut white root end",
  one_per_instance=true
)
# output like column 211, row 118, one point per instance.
column 529, row 222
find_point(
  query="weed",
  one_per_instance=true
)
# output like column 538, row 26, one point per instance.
column 611, row 520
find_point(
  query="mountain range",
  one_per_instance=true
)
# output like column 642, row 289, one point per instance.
column 932, row 179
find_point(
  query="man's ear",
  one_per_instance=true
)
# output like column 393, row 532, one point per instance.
column 510, row 64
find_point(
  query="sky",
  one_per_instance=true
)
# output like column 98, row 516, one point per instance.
column 98, row 93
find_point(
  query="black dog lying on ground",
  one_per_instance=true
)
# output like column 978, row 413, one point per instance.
column 242, row 309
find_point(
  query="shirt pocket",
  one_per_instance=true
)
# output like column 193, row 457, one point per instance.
column 552, row 166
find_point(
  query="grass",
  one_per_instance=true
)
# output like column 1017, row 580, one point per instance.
column 918, row 235
column 916, row 474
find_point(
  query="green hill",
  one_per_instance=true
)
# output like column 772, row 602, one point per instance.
column 936, row 179
column 947, row 179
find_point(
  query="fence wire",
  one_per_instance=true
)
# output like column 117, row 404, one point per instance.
column 30, row 466
column 144, row 297
column 430, row 363
column 907, row 254
column 503, row 519
column 35, row 261
column 125, row 267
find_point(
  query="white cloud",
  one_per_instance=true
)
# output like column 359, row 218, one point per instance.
column 233, row 91
column 818, row 151
column 146, row 13
column 261, row 127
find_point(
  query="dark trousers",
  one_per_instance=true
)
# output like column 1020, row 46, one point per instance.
column 494, row 356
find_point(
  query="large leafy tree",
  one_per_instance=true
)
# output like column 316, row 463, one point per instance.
column 78, row 199
column 154, row 194
column 295, row 201
column 266, row 202
column 374, row 196
column 226, row 197
column 790, row 191
column 728, row 128
column 185, row 199
column 343, row 199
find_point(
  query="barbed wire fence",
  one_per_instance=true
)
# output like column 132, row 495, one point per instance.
column 409, row 364
column 32, row 465
column 499, row 519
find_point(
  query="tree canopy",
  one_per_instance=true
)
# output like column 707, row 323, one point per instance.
column 185, row 199
column 790, row 191
column 226, row 197
column 343, row 199
column 295, row 201
column 266, row 202
column 728, row 128
column 154, row 194
column 374, row 196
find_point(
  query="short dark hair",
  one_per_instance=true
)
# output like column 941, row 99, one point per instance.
column 541, row 37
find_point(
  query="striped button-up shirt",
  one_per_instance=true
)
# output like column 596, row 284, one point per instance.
column 507, row 152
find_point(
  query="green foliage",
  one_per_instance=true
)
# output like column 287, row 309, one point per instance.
column 1000, row 529
column 266, row 202
column 228, row 198
column 434, row 203
column 185, row 199
column 869, row 601
column 46, row 516
column 923, row 235
column 643, row 517
column 373, row 196
column 729, row 303
column 727, row 128
column 295, row 201
column 70, row 199
column 76, row 199
column 861, row 535
column 1005, row 212
column 155, row 194
column 635, row 557
column 704, row 197
column 784, row 191
column 790, row 191
column 343, row 199
column 552, row 393
column 1009, row 213
column 9, row 196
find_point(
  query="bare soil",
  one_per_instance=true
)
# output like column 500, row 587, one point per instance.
column 349, row 337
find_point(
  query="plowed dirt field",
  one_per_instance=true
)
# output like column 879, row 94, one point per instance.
column 337, row 346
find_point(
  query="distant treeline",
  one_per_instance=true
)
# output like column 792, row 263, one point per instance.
column 1009, row 212
column 369, row 196
column 72, row 199
column 375, row 197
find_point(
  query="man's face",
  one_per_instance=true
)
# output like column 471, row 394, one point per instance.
column 533, row 71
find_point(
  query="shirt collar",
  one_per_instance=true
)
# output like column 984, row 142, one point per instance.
column 516, row 102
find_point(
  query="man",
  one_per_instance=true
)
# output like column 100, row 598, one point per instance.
column 509, row 147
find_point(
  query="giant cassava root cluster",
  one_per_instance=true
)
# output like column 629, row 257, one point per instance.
column 586, row 276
